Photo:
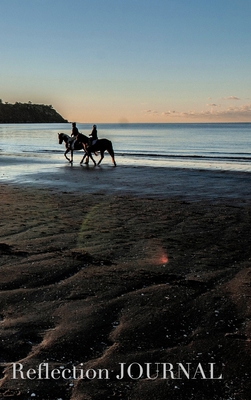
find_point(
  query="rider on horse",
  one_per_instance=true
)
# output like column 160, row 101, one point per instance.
column 93, row 135
column 74, row 134
column 93, row 139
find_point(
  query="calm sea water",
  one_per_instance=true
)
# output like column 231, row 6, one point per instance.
column 223, row 146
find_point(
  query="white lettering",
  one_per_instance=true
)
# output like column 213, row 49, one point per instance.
column 40, row 369
column 91, row 374
column 182, row 368
column 122, row 372
column 212, row 372
column 199, row 370
column 15, row 370
column 100, row 373
column 31, row 372
column 168, row 369
column 64, row 371
column 148, row 372
column 129, row 370
column 55, row 372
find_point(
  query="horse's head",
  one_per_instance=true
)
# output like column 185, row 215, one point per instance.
column 60, row 138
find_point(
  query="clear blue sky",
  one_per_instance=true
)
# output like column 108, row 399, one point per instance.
column 129, row 60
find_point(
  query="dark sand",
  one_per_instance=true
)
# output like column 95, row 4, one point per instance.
column 126, row 265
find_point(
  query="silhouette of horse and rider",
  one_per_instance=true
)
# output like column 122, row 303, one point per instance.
column 91, row 144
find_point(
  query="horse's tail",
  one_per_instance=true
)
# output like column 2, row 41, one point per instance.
column 111, row 151
column 110, row 148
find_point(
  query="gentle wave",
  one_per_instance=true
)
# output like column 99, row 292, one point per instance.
column 162, row 156
column 191, row 156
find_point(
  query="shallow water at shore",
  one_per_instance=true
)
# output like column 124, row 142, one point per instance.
column 138, row 180
column 183, row 166
column 225, row 147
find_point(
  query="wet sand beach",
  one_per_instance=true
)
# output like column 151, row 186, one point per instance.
column 129, row 179
column 144, row 266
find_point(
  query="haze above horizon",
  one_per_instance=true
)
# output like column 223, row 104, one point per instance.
column 129, row 61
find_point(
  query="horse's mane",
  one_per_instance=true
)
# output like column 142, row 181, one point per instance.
column 64, row 135
column 81, row 135
column 82, row 138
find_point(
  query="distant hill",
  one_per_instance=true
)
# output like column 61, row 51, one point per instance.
column 19, row 113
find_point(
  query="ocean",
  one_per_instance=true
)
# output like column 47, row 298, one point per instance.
column 211, row 146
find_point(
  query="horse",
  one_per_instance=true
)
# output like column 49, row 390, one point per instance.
column 62, row 137
column 101, row 145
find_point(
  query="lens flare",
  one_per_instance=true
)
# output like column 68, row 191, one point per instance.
column 164, row 259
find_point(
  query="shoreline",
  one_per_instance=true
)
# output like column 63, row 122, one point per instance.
column 165, row 182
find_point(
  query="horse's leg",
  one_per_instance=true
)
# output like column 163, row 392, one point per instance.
column 85, row 155
column 102, row 156
column 67, row 151
column 90, row 155
column 113, row 160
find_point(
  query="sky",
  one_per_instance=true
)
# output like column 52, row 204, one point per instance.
column 129, row 60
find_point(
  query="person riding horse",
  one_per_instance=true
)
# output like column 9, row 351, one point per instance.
column 93, row 135
column 93, row 139
column 74, row 134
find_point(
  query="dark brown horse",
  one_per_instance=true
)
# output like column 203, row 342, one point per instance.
column 101, row 145
column 70, row 146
